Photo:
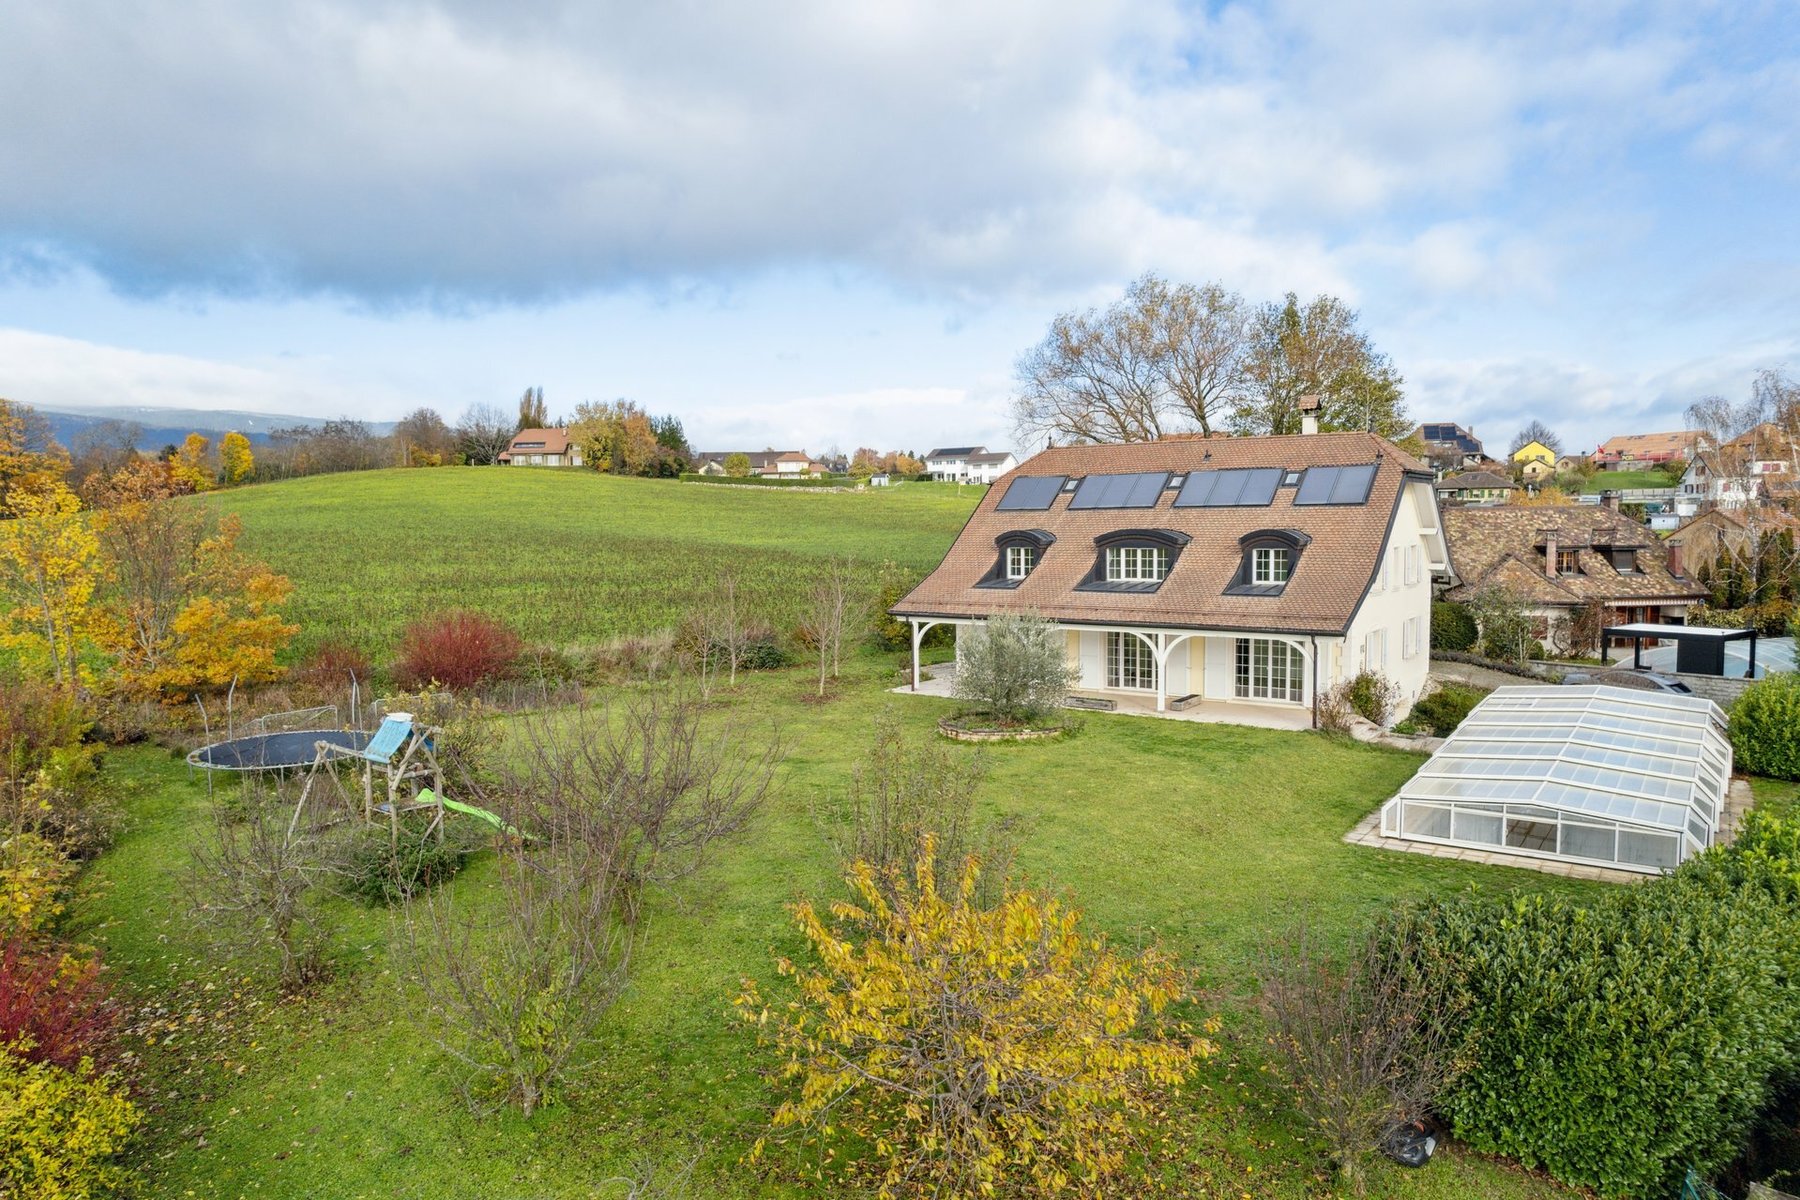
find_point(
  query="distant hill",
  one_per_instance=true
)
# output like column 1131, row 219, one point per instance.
column 167, row 426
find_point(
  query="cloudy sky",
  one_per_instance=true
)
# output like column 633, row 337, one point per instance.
column 840, row 222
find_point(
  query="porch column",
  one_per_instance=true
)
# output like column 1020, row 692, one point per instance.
column 914, row 622
column 1161, row 650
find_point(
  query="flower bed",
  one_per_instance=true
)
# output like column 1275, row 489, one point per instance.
column 981, row 727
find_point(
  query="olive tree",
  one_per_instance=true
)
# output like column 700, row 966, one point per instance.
column 1013, row 665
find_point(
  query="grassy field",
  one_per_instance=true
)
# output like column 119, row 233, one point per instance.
column 1208, row 838
column 569, row 558
column 1618, row 481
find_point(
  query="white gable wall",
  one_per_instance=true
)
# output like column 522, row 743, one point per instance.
column 1380, row 636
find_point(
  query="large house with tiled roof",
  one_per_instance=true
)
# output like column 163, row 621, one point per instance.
column 1648, row 449
column 542, row 448
column 1211, row 571
column 1555, row 559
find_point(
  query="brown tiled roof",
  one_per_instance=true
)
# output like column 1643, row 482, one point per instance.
column 1474, row 479
column 1328, row 583
column 1630, row 445
column 1493, row 546
column 555, row 441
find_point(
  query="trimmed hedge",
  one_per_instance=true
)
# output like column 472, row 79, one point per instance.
column 1452, row 626
column 1444, row 709
column 1765, row 727
column 1616, row 1043
column 760, row 481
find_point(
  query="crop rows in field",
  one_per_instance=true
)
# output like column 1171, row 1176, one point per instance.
column 568, row 558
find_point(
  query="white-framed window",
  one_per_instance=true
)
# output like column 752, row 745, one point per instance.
column 1269, row 564
column 1412, row 637
column 1375, row 650
column 1020, row 560
column 1414, row 558
column 1269, row 670
column 1137, row 564
column 1130, row 663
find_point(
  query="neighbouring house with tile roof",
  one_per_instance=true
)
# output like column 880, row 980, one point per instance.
column 1220, row 572
column 1556, row 558
column 1534, row 461
column 1701, row 539
column 778, row 463
column 968, row 464
column 1649, row 449
column 541, row 448
column 1450, row 447
column 1717, row 480
column 1475, row 487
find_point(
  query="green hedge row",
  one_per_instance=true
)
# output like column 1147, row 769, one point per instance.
column 1616, row 1043
column 761, row 481
column 1452, row 626
column 1765, row 727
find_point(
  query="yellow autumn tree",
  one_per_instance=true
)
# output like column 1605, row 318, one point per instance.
column 51, row 564
column 186, row 610
column 1548, row 496
column 28, row 459
column 190, row 468
column 235, row 459
column 969, row 1050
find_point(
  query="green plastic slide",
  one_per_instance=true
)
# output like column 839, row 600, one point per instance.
column 427, row 796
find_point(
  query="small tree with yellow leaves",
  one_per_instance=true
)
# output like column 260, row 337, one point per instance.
column 50, row 564
column 192, row 468
column 965, row 1048
column 236, row 462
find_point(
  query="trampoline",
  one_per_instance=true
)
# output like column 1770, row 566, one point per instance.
column 289, row 751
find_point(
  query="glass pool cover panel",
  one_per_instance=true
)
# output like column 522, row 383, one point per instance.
column 1650, row 766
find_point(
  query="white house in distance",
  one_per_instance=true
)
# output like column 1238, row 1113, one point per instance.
column 784, row 464
column 968, row 464
column 541, row 448
column 1219, row 571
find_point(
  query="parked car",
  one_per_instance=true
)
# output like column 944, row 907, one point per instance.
column 1643, row 681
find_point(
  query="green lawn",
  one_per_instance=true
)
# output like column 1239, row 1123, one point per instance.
column 567, row 557
column 1209, row 838
column 1618, row 481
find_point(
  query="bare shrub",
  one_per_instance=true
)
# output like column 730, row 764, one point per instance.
column 827, row 614
column 607, row 803
column 1363, row 1040
column 259, row 872
column 905, row 788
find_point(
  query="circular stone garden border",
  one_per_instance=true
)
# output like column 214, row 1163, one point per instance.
column 950, row 729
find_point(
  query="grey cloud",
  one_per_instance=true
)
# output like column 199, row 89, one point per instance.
column 470, row 153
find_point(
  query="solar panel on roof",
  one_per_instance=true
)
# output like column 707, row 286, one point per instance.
column 1138, row 490
column 1030, row 493
column 1242, row 486
column 1336, row 485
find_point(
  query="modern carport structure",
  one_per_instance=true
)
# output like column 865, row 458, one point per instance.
column 1600, row 775
column 1698, row 650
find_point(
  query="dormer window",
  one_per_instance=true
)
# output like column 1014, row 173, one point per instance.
column 1270, row 556
column 1137, row 564
column 1568, row 562
column 1133, row 560
column 1019, row 552
column 1624, row 561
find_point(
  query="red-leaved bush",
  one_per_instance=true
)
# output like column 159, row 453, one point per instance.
column 332, row 665
column 55, row 1008
column 456, row 650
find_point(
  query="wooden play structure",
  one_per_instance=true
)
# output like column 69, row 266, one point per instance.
column 400, row 774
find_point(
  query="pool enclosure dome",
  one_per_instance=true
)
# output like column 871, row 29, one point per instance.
column 1599, row 775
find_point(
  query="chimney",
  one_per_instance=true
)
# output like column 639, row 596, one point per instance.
column 1675, row 564
column 1309, row 414
column 1609, row 501
column 1550, row 553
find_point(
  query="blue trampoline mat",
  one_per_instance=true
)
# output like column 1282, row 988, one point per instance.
column 274, row 751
